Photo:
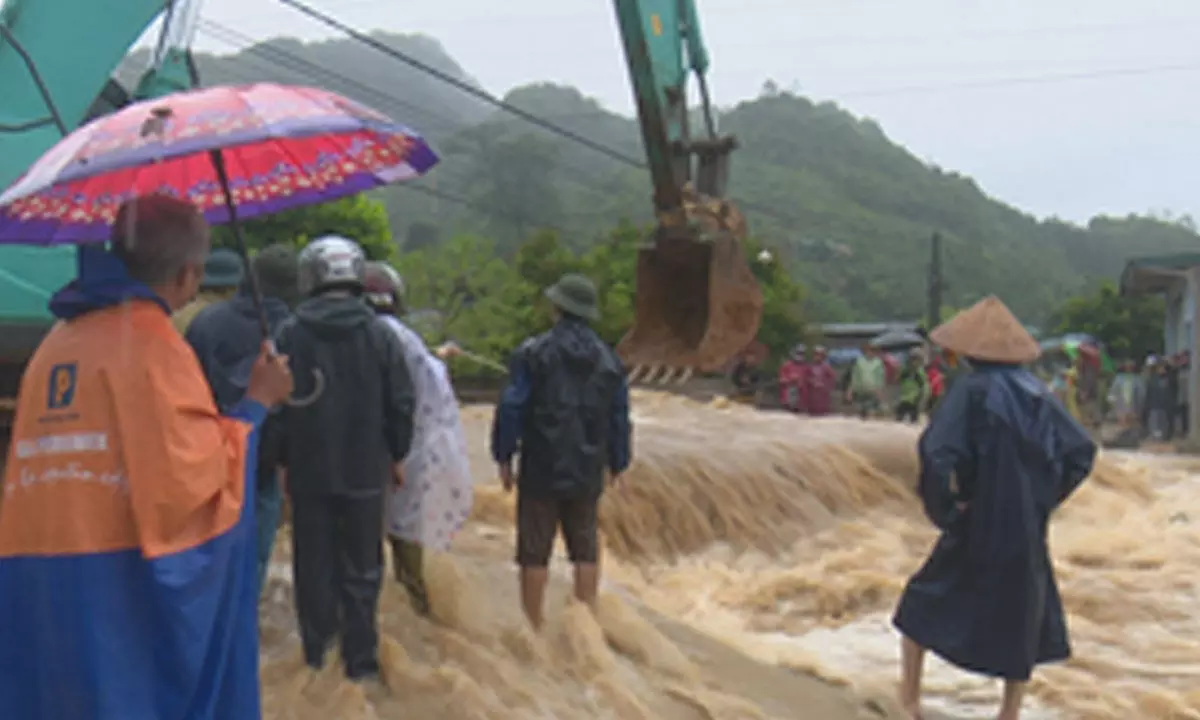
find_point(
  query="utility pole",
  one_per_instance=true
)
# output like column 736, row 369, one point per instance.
column 1192, row 346
column 935, row 286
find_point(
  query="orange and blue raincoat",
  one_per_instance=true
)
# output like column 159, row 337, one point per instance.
column 127, row 547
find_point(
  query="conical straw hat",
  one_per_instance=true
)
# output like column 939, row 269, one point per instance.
column 988, row 331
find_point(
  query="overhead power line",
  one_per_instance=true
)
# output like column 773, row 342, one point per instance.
column 290, row 60
column 457, row 83
column 276, row 58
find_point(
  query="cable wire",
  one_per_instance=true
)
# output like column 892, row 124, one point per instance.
column 459, row 84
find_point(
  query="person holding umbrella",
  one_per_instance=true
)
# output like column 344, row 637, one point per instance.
column 157, row 478
column 124, row 535
column 341, row 453
column 222, row 277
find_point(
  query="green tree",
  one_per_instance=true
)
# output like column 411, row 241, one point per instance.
column 421, row 235
column 514, row 174
column 1129, row 326
column 357, row 217
column 466, row 284
column 539, row 262
column 612, row 265
column 783, row 299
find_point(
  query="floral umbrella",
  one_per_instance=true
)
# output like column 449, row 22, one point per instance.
column 233, row 152
column 274, row 146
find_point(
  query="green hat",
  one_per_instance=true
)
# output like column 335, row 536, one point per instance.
column 277, row 272
column 574, row 294
column 222, row 270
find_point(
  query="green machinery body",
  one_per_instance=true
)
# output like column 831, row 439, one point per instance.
column 56, row 61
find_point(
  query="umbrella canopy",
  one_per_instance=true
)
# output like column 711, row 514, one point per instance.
column 1074, row 344
column 897, row 340
column 283, row 147
column 843, row 356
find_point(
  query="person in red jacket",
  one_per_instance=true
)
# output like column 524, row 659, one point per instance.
column 793, row 381
column 891, row 367
column 820, row 382
column 937, row 381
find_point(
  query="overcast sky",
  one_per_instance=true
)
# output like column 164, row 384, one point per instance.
column 1061, row 107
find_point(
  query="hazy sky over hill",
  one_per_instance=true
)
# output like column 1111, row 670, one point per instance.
column 1061, row 107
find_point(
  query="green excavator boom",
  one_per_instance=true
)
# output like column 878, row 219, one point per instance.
column 697, row 302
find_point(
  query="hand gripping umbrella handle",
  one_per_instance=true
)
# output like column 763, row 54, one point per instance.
column 218, row 162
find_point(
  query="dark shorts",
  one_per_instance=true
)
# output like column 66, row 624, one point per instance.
column 538, row 521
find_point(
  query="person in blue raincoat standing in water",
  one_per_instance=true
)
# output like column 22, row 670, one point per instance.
column 999, row 456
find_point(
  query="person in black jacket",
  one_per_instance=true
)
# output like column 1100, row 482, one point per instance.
column 341, row 452
column 227, row 338
column 566, row 411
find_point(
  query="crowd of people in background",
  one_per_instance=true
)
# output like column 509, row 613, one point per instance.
column 1147, row 400
column 903, row 385
column 1150, row 401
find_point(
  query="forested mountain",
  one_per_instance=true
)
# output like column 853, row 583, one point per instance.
column 849, row 210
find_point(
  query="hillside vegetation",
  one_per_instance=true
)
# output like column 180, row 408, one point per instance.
column 847, row 209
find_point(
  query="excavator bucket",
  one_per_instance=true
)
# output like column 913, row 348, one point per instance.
column 697, row 305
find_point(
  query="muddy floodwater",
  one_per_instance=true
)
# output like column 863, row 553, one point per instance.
column 751, row 565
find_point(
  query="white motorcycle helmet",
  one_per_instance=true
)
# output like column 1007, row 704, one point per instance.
column 331, row 262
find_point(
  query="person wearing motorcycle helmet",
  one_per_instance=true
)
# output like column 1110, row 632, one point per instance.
column 436, row 497
column 383, row 289
column 342, row 452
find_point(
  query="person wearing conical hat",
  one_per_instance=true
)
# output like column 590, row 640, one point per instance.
column 999, row 455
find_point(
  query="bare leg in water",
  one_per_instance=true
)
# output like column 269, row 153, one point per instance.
column 533, row 593
column 1014, row 693
column 912, row 661
column 587, row 583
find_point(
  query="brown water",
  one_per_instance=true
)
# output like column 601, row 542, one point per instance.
column 753, row 562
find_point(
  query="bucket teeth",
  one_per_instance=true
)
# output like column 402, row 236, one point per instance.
column 659, row 375
column 636, row 374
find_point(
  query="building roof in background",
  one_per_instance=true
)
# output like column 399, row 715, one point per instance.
column 1156, row 273
column 868, row 330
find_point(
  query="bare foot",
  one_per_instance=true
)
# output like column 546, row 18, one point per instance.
column 912, row 708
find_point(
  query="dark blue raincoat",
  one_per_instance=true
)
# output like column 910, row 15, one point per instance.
column 986, row 599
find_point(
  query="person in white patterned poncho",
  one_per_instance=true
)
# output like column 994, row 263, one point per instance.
column 434, row 499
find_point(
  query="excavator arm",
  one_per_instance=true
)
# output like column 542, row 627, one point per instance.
column 55, row 58
column 56, row 61
column 697, row 302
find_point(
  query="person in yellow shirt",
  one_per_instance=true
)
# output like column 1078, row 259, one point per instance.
column 222, row 277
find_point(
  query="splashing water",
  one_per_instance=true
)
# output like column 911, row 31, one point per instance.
column 752, row 563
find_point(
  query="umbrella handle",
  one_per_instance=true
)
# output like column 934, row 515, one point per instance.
column 218, row 162
column 318, row 383
column 312, row 397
